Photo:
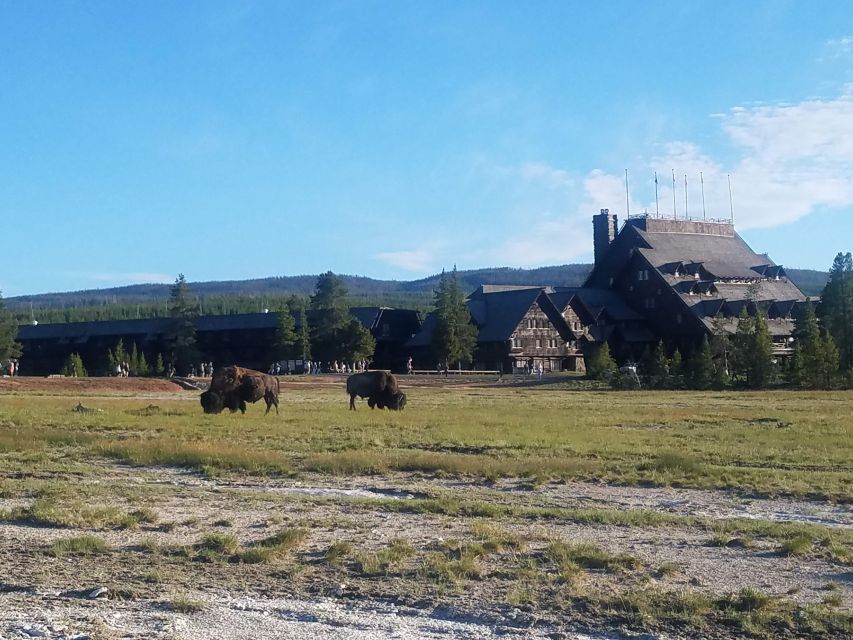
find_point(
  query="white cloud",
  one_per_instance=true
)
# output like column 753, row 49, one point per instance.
column 788, row 161
column 419, row 260
column 123, row 278
column 838, row 48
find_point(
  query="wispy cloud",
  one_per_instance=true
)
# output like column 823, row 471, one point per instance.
column 790, row 160
column 417, row 260
column 123, row 278
column 838, row 48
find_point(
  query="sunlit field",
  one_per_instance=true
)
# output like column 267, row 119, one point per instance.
column 555, row 502
column 767, row 443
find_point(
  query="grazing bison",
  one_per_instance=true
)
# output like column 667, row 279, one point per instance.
column 213, row 402
column 394, row 402
column 236, row 386
column 379, row 387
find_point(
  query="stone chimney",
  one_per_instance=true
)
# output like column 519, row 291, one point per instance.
column 604, row 230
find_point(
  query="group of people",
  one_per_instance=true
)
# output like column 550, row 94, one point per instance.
column 204, row 370
column 122, row 369
column 315, row 368
column 10, row 367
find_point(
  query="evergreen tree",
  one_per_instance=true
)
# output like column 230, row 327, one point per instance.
column 702, row 366
column 676, row 365
column 115, row 357
column 455, row 336
column 73, row 367
column 334, row 335
column 9, row 348
column 600, row 365
column 142, row 368
column 285, row 342
column 741, row 343
column 660, row 363
column 159, row 367
column 304, row 335
column 829, row 359
column 180, row 333
column 760, row 354
column 720, row 347
column 356, row 342
column 837, row 307
column 133, row 363
column 807, row 361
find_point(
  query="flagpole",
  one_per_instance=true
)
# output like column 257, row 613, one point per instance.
column 657, row 206
column 674, row 210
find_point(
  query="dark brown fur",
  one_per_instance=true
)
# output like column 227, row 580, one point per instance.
column 237, row 386
column 377, row 386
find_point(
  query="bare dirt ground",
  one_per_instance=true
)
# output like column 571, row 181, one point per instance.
column 87, row 386
column 146, row 580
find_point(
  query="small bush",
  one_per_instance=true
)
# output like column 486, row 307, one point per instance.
column 798, row 546
column 337, row 552
column 185, row 604
column 78, row 546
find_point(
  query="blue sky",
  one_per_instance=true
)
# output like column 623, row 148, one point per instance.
column 230, row 140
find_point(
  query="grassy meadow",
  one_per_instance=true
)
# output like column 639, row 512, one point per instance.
column 72, row 513
column 763, row 443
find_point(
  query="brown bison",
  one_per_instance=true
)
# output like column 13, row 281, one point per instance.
column 395, row 402
column 235, row 386
column 379, row 387
column 213, row 402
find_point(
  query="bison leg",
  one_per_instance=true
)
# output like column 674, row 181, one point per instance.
column 271, row 400
column 352, row 402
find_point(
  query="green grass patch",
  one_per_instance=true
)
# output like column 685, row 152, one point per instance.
column 77, row 546
column 718, row 440
column 380, row 562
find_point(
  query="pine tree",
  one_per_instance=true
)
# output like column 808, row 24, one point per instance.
column 829, row 360
column 304, row 334
column 660, row 363
column 285, row 340
column 676, row 364
column 142, row 368
column 600, row 365
column 334, row 335
column 455, row 336
column 180, row 333
column 356, row 342
column 702, row 366
column 720, row 347
column 133, row 363
column 159, row 367
column 806, row 365
column 741, row 343
column 837, row 307
column 9, row 348
column 73, row 367
column 760, row 354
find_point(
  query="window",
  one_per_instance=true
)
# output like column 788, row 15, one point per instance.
column 538, row 344
column 678, row 318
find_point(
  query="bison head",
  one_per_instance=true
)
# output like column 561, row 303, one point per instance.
column 211, row 402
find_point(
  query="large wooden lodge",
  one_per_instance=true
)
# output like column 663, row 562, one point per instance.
column 654, row 279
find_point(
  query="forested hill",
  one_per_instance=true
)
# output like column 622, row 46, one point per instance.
column 235, row 296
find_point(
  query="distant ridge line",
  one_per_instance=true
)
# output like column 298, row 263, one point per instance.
column 810, row 281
